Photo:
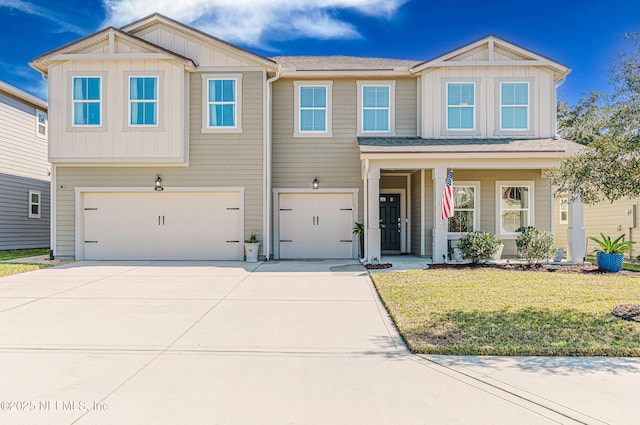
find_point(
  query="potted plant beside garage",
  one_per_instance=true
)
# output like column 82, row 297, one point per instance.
column 251, row 248
column 610, row 255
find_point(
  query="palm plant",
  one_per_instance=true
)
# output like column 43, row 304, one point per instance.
column 617, row 246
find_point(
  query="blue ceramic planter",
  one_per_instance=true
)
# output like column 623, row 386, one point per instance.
column 609, row 262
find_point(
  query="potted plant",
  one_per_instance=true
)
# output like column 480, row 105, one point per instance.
column 358, row 230
column 610, row 255
column 251, row 248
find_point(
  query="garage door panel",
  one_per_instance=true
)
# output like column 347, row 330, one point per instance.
column 316, row 225
column 162, row 226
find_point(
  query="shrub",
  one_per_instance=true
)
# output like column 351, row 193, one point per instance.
column 478, row 247
column 536, row 246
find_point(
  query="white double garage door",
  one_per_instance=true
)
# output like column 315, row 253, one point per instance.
column 208, row 225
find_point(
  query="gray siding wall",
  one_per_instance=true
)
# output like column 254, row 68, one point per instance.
column 215, row 160
column 23, row 166
column 415, row 213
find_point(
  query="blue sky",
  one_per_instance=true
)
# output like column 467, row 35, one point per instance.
column 581, row 34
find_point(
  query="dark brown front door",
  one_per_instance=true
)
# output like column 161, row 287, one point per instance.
column 390, row 218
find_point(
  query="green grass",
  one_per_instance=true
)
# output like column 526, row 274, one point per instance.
column 7, row 269
column 21, row 253
column 495, row 312
column 634, row 267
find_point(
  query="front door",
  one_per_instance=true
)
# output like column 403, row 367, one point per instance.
column 390, row 220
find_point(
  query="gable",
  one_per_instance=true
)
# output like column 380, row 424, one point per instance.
column 492, row 51
column 109, row 43
column 205, row 49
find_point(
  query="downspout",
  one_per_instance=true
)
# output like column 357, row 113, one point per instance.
column 365, row 253
column 555, row 106
column 53, row 199
column 267, row 162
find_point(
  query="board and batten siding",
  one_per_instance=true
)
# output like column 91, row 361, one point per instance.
column 434, row 98
column 115, row 141
column 23, row 167
column 334, row 160
column 215, row 160
column 202, row 53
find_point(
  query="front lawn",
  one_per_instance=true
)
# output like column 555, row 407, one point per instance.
column 22, row 253
column 7, row 269
column 496, row 312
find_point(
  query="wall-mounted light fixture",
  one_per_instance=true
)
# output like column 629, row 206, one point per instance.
column 159, row 184
column 316, row 183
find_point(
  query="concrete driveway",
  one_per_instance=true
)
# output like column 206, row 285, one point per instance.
column 132, row 343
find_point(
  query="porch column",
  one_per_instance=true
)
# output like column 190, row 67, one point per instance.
column 576, row 236
column 439, row 252
column 373, row 214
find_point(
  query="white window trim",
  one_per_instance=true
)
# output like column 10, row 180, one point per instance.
column 444, row 94
column 560, row 219
column 100, row 102
column 391, row 84
column 499, row 185
column 206, row 128
column 516, row 105
column 296, row 110
column 476, row 210
column 31, row 203
column 156, row 101
column 531, row 125
column 45, row 125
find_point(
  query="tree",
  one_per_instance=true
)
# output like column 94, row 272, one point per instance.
column 608, row 124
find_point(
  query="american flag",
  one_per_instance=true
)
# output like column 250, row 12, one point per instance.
column 447, row 197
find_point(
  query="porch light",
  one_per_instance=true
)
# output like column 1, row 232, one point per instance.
column 159, row 184
column 316, row 183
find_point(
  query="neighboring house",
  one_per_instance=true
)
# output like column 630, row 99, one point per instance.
column 24, row 170
column 610, row 218
column 296, row 148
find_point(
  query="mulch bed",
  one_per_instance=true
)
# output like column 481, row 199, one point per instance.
column 627, row 312
column 378, row 266
column 586, row 268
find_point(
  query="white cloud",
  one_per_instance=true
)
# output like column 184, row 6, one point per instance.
column 43, row 13
column 256, row 22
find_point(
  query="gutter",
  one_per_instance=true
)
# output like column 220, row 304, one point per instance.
column 267, row 158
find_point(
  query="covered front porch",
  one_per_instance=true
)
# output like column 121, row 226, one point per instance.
column 499, row 191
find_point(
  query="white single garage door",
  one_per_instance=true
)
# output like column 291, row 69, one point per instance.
column 316, row 225
column 162, row 226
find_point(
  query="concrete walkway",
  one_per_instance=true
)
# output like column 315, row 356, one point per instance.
column 193, row 343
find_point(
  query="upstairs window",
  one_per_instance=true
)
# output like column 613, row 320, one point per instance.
column 34, row 203
column 87, row 101
column 222, row 103
column 376, row 106
column 143, row 101
column 514, row 106
column 461, row 106
column 313, row 109
column 41, row 124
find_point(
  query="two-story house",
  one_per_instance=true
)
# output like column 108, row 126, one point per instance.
column 24, row 170
column 168, row 143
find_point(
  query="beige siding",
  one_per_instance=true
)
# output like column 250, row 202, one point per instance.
column 541, row 98
column 335, row 161
column 215, row 160
column 612, row 219
column 115, row 140
column 204, row 54
column 488, row 203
